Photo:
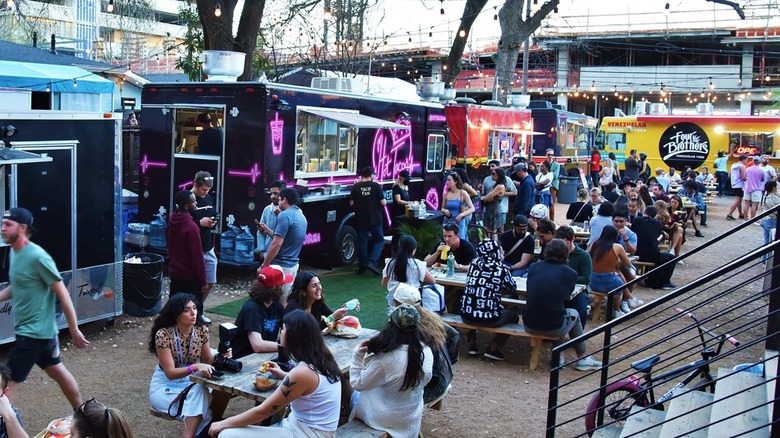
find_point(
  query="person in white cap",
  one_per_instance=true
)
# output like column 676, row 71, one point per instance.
column 34, row 287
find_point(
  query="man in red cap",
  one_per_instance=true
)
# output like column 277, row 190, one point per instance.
column 33, row 277
column 260, row 318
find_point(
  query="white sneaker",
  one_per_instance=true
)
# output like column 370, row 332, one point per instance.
column 617, row 314
column 587, row 364
column 561, row 361
column 624, row 307
column 633, row 303
column 680, row 262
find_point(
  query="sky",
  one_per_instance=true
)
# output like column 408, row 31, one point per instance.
column 401, row 20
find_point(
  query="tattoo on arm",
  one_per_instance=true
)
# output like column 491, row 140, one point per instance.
column 275, row 408
column 286, row 384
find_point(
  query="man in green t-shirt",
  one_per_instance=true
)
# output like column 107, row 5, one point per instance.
column 33, row 277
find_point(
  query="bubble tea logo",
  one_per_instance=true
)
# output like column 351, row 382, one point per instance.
column 684, row 144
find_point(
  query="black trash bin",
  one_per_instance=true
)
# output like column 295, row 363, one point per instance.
column 567, row 190
column 142, row 284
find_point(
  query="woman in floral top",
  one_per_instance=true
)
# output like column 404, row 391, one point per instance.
column 181, row 344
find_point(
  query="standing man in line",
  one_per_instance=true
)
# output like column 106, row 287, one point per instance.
column 34, row 286
column 205, row 215
column 526, row 190
column 289, row 234
column 267, row 222
column 755, row 178
column 367, row 199
column 555, row 169
column 721, row 172
column 737, row 177
column 595, row 166
column 632, row 166
column 186, row 266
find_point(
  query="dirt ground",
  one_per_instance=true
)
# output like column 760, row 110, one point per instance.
column 490, row 399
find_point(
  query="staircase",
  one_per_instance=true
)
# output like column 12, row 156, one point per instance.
column 741, row 406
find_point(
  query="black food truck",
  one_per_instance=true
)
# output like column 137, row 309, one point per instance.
column 64, row 168
column 316, row 140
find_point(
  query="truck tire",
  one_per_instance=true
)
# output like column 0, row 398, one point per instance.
column 346, row 246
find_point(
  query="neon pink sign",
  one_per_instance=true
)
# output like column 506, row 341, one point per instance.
column 390, row 159
column 437, row 118
column 184, row 185
column 312, row 239
column 432, row 198
column 253, row 173
column 145, row 164
column 277, row 129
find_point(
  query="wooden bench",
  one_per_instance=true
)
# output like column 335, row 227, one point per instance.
column 509, row 329
column 642, row 267
column 436, row 403
column 598, row 299
column 163, row 415
column 358, row 429
column 513, row 301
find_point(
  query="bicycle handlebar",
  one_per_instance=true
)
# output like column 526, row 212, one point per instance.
column 726, row 336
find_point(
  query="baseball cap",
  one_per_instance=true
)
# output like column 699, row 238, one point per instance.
column 756, row 158
column 520, row 166
column 405, row 316
column 367, row 171
column 273, row 275
column 404, row 174
column 20, row 215
column 520, row 220
column 407, row 294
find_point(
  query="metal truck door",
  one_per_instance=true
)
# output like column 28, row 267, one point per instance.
column 48, row 191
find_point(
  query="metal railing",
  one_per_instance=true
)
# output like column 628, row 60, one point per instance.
column 739, row 297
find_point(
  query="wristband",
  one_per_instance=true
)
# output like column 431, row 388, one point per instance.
column 190, row 369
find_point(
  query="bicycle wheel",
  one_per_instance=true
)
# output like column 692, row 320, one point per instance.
column 618, row 400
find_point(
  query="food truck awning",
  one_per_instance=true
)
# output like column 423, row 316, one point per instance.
column 354, row 119
column 516, row 131
column 15, row 156
column 58, row 78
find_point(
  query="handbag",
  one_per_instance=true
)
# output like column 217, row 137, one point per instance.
column 578, row 213
column 178, row 401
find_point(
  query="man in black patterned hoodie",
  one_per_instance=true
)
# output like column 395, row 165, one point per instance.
column 487, row 279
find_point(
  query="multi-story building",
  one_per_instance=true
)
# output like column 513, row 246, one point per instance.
column 117, row 32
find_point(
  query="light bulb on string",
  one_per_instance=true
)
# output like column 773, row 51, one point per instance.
column 75, row 84
column 462, row 33
column 218, row 10
column 666, row 9
column 442, row 7
column 110, row 7
column 712, row 86
column 593, row 86
column 495, row 14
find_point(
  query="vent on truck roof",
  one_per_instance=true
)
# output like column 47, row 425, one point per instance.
column 344, row 85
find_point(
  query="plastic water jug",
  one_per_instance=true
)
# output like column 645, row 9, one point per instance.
column 227, row 244
column 245, row 246
column 157, row 230
column 451, row 265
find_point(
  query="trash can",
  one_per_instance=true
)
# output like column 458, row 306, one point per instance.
column 142, row 283
column 567, row 190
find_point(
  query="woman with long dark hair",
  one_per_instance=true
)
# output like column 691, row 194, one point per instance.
column 95, row 420
column 390, row 370
column 307, row 295
column 312, row 389
column 607, row 255
column 457, row 206
column 181, row 344
column 404, row 268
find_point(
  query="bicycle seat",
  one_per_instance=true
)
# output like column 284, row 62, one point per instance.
column 645, row 365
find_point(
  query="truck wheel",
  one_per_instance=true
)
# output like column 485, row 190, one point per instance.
column 346, row 246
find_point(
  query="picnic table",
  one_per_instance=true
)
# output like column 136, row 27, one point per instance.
column 458, row 280
column 242, row 383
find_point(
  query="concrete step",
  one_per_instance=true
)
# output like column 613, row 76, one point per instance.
column 643, row 423
column 728, row 405
column 770, row 374
column 682, row 415
column 607, row 432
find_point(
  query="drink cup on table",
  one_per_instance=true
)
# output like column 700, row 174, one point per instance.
column 445, row 251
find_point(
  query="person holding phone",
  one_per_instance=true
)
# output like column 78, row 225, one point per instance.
column 267, row 223
column 206, row 217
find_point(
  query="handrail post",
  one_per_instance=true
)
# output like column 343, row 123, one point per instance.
column 773, row 324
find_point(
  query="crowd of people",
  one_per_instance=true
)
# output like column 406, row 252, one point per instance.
column 410, row 361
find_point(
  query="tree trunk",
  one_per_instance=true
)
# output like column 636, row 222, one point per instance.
column 218, row 31
column 514, row 31
column 470, row 13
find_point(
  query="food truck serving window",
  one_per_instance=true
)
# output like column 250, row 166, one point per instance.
column 327, row 140
column 435, row 159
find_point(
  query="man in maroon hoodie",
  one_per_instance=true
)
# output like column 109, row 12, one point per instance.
column 186, row 266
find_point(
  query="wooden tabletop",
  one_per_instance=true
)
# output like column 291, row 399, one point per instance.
column 243, row 383
column 459, row 280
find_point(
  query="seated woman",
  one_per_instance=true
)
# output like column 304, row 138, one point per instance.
column 673, row 230
column 95, row 420
column 486, row 281
column 607, row 255
column 580, row 211
column 404, row 268
column 443, row 340
column 312, row 389
column 260, row 318
column 550, row 283
column 307, row 295
column 390, row 370
column 181, row 344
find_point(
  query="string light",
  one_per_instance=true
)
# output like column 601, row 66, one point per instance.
column 442, row 7
column 462, row 33
column 712, row 86
column 328, row 13
column 218, row 10
column 110, row 7
column 48, row 87
column 767, row 78
column 75, row 84
column 593, row 86
column 666, row 9
column 495, row 14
